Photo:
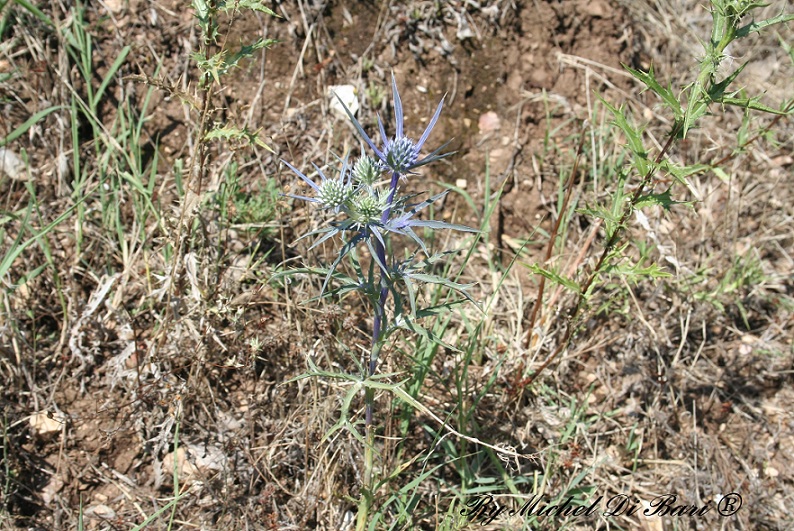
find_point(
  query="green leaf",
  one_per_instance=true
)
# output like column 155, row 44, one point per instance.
column 635, row 272
column 599, row 212
column 246, row 51
column 753, row 103
column 693, row 113
column 663, row 200
column 717, row 91
column 665, row 93
column 433, row 279
column 111, row 72
column 36, row 12
column 633, row 139
column 17, row 247
column 349, row 246
column 211, row 66
column 758, row 26
column 409, row 287
column 433, row 224
column 681, row 173
column 554, row 277
column 206, row 15
column 719, row 172
column 251, row 5
column 236, row 135
column 404, row 322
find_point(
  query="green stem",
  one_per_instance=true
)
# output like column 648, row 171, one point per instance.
column 367, row 488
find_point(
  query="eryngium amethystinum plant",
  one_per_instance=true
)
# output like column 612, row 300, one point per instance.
column 368, row 214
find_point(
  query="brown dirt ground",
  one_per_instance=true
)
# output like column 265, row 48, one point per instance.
column 699, row 369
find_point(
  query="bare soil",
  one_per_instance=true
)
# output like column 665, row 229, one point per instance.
column 697, row 369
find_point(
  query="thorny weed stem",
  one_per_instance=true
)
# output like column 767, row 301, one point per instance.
column 372, row 219
column 571, row 321
column 573, row 318
column 550, row 247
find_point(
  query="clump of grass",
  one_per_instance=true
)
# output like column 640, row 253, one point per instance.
column 108, row 188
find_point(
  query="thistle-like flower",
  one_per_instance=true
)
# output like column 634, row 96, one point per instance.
column 400, row 154
column 330, row 193
column 367, row 171
column 370, row 214
column 368, row 207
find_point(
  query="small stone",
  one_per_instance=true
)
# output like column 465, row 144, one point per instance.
column 11, row 165
column 597, row 9
column 51, row 490
column 184, row 468
column 489, row 122
column 194, row 462
column 347, row 95
column 100, row 511
column 115, row 6
column 44, row 425
column 461, row 183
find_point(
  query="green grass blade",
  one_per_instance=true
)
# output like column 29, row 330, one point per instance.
column 111, row 72
column 16, row 250
column 30, row 122
column 36, row 12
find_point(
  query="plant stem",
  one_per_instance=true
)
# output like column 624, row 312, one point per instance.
column 552, row 239
column 614, row 238
column 365, row 502
column 367, row 488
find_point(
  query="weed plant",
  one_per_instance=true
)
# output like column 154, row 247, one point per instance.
column 369, row 214
column 688, row 105
column 120, row 225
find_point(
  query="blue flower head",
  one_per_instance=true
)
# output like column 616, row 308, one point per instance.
column 399, row 154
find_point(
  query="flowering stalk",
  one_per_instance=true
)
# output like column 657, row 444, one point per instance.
column 367, row 215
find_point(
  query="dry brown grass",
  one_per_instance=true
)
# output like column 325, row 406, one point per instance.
column 683, row 385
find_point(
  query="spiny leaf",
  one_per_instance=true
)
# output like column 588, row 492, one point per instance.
column 635, row 272
column 665, row 93
column 252, row 5
column 441, row 281
column 758, row 26
column 600, row 212
column 663, row 200
column 753, row 103
column 237, row 135
column 349, row 246
column 408, row 323
column 717, row 91
column 212, row 66
column 247, row 51
column 554, row 277
column 633, row 138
